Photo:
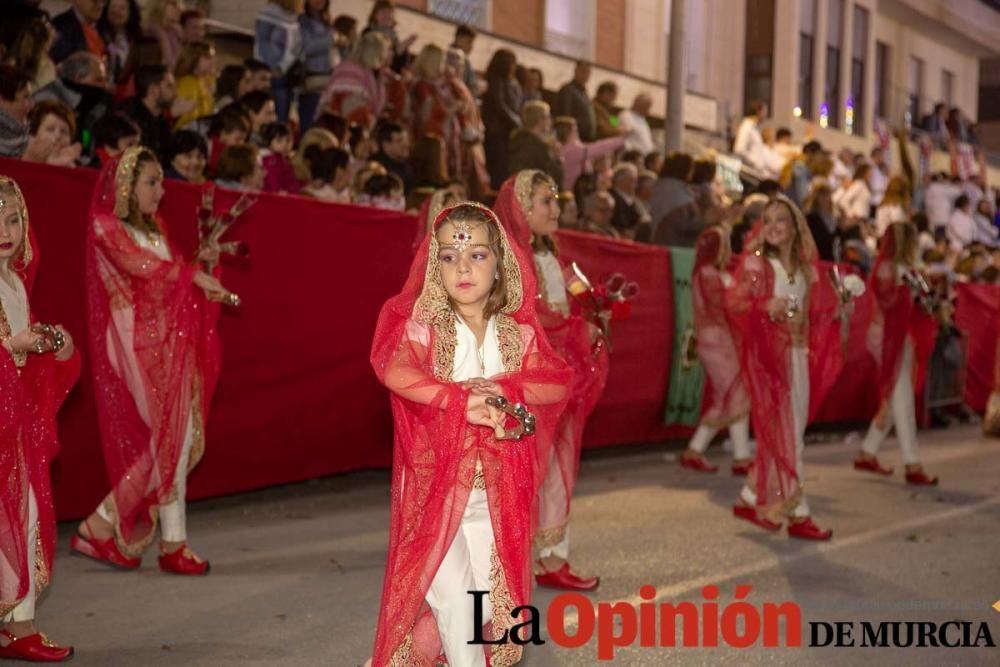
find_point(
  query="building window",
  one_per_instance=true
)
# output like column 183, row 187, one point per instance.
column 807, row 42
column 882, row 84
column 947, row 87
column 829, row 112
column 569, row 27
column 475, row 13
column 759, row 73
column 915, row 90
column 854, row 109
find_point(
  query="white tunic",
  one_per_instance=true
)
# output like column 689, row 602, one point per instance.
column 552, row 278
column 15, row 303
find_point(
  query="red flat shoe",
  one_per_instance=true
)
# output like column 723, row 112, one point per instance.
column 748, row 513
column 34, row 648
column 741, row 469
column 698, row 463
column 183, row 561
column 872, row 465
column 920, row 478
column 565, row 578
column 808, row 530
column 106, row 552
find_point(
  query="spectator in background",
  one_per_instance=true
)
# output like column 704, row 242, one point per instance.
column 82, row 86
column 192, row 23
column 643, row 195
column 936, row 125
column 330, row 177
column 430, row 170
column 15, row 103
column 895, row 206
column 604, row 110
column 939, row 199
column 317, row 49
column 822, row 219
column 76, row 30
column 843, row 170
column 471, row 168
column 279, row 174
column 530, row 79
column 187, row 157
column 155, row 92
column 260, row 75
column 577, row 156
column 314, row 136
column 195, row 75
column 573, row 100
column 878, row 179
column 634, row 125
column 749, row 145
column 599, row 212
column 394, row 153
column 501, row 113
column 229, row 127
column 465, row 37
column 345, row 36
column 233, row 83
column 531, row 147
column 113, row 135
column 355, row 91
column 163, row 21
column 961, row 230
column 261, row 108
column 677, row 220
column 383, row 21
column 796, row 176
column 986, row 231
column 278, row 43
column 240, row 169
column 383, row 191
column 29, row 51
column 855, row 204
column 627, row 215
column 653, row 162
column 435, row 109
column 53, row 123
column 120, row 26
column 361, row 147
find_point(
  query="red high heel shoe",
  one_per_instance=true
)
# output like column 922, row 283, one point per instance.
column 871, row 465
column 103, row 551
column 920, row 478
column 698, row 463
column 34, row 648
column 183, row 561
column 808, row 530
column 566, row 579
column 748, row 513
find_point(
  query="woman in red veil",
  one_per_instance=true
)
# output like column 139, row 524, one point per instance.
column 783, row 311
column 36, row 375
column 155, row 355
column 463, row 498
column 726, row 403
column 528, row 207
column 901, row 337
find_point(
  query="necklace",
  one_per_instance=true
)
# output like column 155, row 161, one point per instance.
column 481, row 353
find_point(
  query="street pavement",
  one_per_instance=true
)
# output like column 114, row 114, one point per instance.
column 297, row 570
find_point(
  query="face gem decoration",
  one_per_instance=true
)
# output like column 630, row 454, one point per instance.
column 462, row 237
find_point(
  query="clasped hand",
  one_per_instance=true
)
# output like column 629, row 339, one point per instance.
column 477, row 412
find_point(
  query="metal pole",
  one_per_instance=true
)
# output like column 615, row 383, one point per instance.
column 676, row 77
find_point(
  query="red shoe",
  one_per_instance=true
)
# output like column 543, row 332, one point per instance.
column 750, row 514
column 741, row 469
column 920, row 478
column 698, row 462
column 808, row 530
column 566, row 579
column 871, row 465
column 183, row 561
column 34, row 648
column 106, row 552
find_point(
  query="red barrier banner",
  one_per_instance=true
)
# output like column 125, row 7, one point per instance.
column 977, row 314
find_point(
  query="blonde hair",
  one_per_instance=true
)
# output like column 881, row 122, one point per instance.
column 371, row 49
column 156, row 10
column 476, row 217
column 905, row 235
column 429, row 63
column 191, row 54
column 314, row 136
column 896, row 192
column 534, row 112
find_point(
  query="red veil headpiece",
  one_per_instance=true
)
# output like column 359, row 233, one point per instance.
column 146, row 309
column 435, row 449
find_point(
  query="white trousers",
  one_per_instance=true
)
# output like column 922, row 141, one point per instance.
column 25, row 609
column 552, row 504
column 739, row 433
column 466, row 567
column 902, row 413
column 173, row 515
column 800, row 413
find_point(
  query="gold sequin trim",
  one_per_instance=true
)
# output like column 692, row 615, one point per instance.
column 407, row 656
column 479, row 479
column 41, row 568
column 522, row 188
column 508, row 653
column 510, row 343
column 550, row 537
column 20, row 357
column 124, row 175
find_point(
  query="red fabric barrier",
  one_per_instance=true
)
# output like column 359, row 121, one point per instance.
column 297, row 398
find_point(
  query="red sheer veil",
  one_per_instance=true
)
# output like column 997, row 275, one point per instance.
column 435, row 449
column 143, row 311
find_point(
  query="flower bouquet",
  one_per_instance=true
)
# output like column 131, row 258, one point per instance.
column 212, row 226
column 603, row 303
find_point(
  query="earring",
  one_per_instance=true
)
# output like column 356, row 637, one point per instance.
column 497, row 276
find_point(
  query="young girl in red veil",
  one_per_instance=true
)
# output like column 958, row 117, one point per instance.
column 901, row 336
column 36, row 374
column 726, row 403
column 783, row 312
column 463, row 509
column 528, row 207
column 155, row 356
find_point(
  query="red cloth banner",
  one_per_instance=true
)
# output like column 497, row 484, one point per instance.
column 977, row 314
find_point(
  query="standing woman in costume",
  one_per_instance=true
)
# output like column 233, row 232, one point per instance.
column 726, row 402
column 902, row 335
column 783, row 311
column 528, row 206
column 155, row 355
column 36, row 374
column 463, row 329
